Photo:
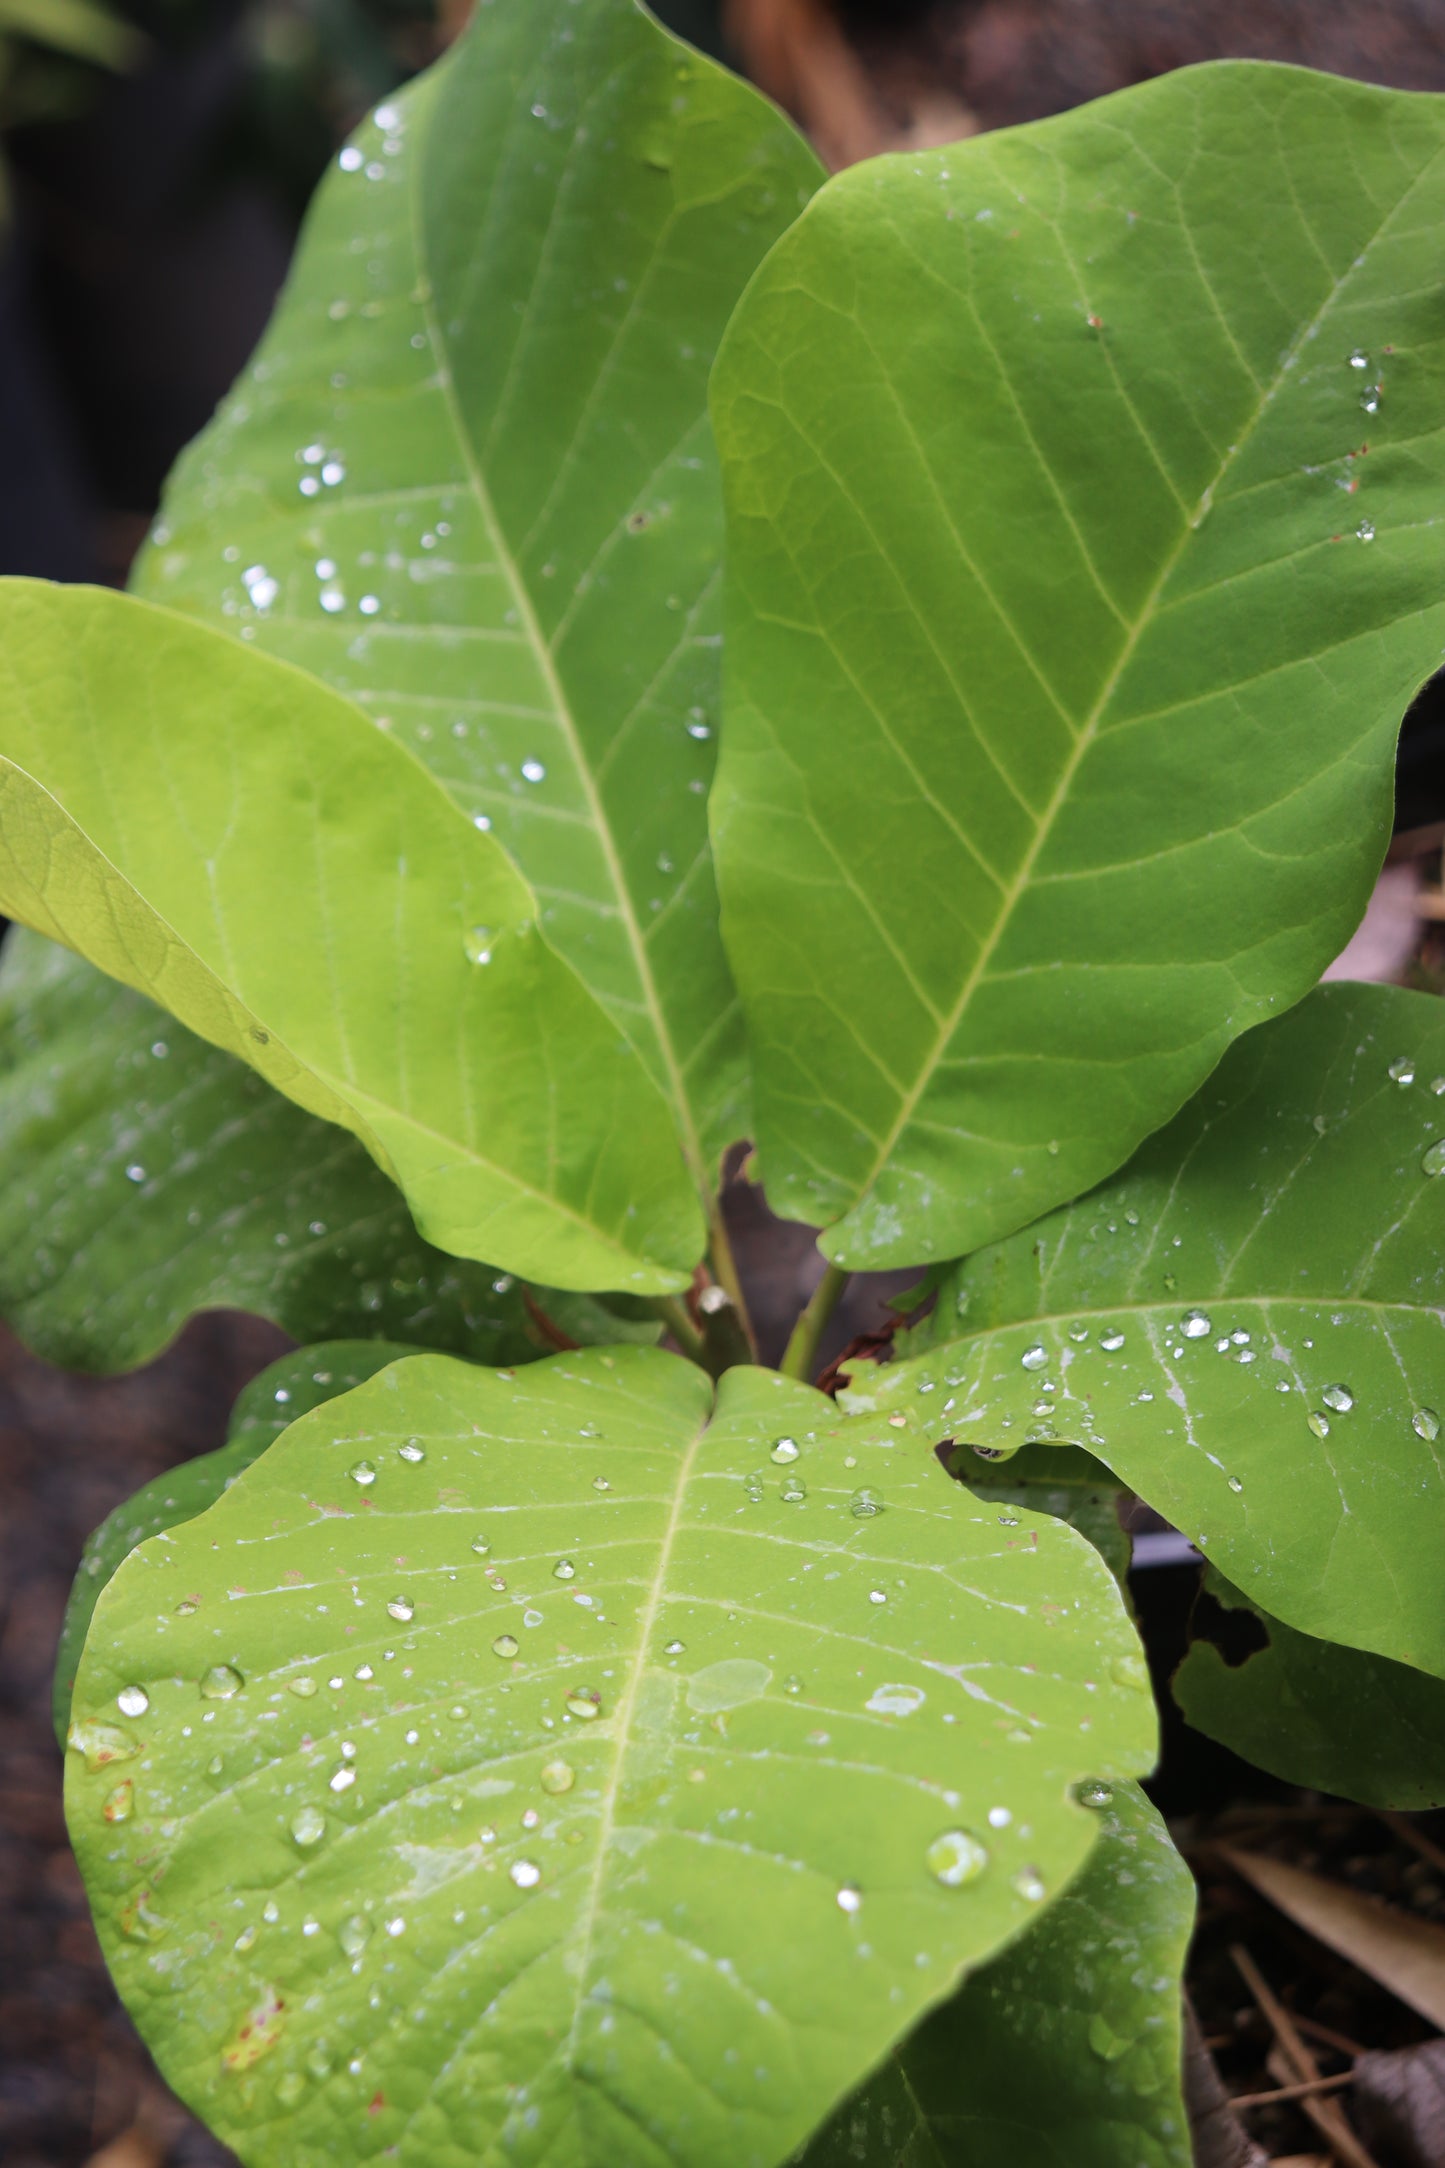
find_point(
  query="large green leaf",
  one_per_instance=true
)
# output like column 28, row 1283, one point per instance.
column 469, row 479
column 145, row 1175
column 614, row 1784
column 1065, row 2051
column 1245, row 1324
column 1069, row 628
column 219, row 830
column 287, row 1389
column 1317, row 1714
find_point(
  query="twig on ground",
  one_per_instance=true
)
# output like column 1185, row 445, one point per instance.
column 1299, row 2066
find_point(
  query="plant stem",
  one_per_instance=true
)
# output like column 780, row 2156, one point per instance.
column 802, row 1347
column 673, row 1313
column 725, row 1272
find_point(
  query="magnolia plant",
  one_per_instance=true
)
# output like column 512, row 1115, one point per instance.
column 657, row 652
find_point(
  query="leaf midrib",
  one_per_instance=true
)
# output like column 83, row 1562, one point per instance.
column 1089, row 729
column 556, row 692
column 622, row 1725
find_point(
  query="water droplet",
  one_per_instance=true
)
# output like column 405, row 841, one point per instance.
column 877, row 1595
column 850, row 1899
column 413, row 1451
column 1236, row 1484
column 1196, row 1325
column 785, row 1450
column 792, row 1684
column 132, row 1701
column 303, row 1689
column 401, row 1608
column 525, row 1873
column 1370, row 398
column 999, row 1817
column 477, row 941
column 117, row 1804
column 675, row 1648
column 1131, row 1671
column 1426, row 1424
column 531, row 1819
column 343, row 1778
column 956, row 1858
column 1319, row 1422
column 354, row 1934
column 534, row 771
column 396, row 1927
column 1359, row 359
column 1434, row 1160
column 221, row 1682
column 994, row 1452
column 1111, row 1342
column 1365, row 532
column 895, row 1700
column 1034, row 1358
column 1402, row 1071
column 585, row 1703
column 1338, row 1397
column 308, row 1827
column 1030, row 1885
column 865, row 1505
column 754, row 1487
column 481, row 1546
column 564, row 1570
column 1094, row 1792
column 505, row 1645
column 1007, row 1519
column 792, row 1490
column 135, row 1173
column 558, row 1777
column 600, row 1482
column 362, row 1472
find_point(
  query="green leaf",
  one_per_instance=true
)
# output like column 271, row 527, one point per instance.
column 1316, row 1714
column 220, row 831
column 145, row 1175
column 649, row 1755
column 469, row 480
column 1065, row 2052
column 1245, row 1324
column 287, row 1389
column 1064, row 681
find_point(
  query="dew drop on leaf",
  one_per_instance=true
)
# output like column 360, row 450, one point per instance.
column 402, row 1609
column 865, row 1505
column 1319, row 1422
column 585, row 1703
column 1094, row 1792
column 1007, row 1519
column 1111, row 1342
column 362, row 1472
column 877, row 1595
column 1030, row 1885
column 1196, row 1325
column 1236, row 1484
column 505, row 1645
column 792, row 1490
column 1338, row 1397
column 303, row 1689
column 221, row 1682
column 558, row 1777
column 413, row 1451
column 784, row 1451
column 956, row 1858
column 132, row 1701
column 525, row 1873
column 675, row 1648
column 477, row 941
column 481, row 1546
column 308, row 1827
column 353, row 1934
column 564, row 1570
column 1434, row 1160
column 850, row 1899
column 1402, row 1071
column 1034, row 1358
column 792, row 1684
column 118, row 1803
column 1426, row 1424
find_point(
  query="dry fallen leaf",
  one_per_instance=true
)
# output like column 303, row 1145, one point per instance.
column 1400, row 2100
column 1405, row 1955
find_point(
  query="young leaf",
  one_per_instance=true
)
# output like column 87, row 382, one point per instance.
column 1067, row 2047
column 1245, row 1324
column 287, row 1389
column 615, row 1782
column 469, row 479
column 218, row 830
column 1316, row 1714
column 145, row 1175
column 1070, row 627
